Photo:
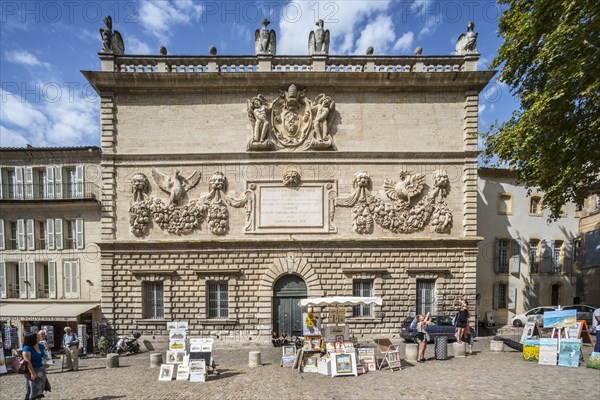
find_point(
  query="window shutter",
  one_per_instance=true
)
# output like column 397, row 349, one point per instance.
column 1, row 183
column 31, row 278
column 79, row 181
column 512, row 296
column 75, row 279
column 67, row 279
column 515, row 257
column 30, row 234
column 58, row 189
column 2, row 280
column 546, row 256
column 52, row 279
column 50, row 234
column 2, row 243
column 28, row 183
column 497, row 256
column 79, row 244
column 49, row 182
column 21, row 234
column 22, row 279
column 58, row 233
column 18, row 183
column 495, row 298
column 568, row 258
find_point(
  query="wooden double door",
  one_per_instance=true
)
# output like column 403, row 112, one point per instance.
column 287, row 314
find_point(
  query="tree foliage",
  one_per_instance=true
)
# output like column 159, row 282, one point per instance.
column 550, row 59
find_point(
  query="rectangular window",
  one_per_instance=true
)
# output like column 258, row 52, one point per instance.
column 362, row 288
column 425, row 296
column 218, row 304
column 153, row 300
column 500, row 295
column 534, row 266
column 11, row 240
column 556, row 257
column 577, row 250
column 535, row 205
column 71, row 185
column 502, row 258
column 71, row 234
column 42, row 279
column 11, row 182
column 13, row 280
column 41, row 235
column 505, row 204
column 42, row 184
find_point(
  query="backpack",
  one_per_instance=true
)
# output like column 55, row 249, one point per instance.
column 20, row 365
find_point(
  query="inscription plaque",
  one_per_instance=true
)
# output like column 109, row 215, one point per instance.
column 297, row 207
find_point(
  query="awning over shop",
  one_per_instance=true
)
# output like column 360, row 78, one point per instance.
column 340, row 301
column 44, row 311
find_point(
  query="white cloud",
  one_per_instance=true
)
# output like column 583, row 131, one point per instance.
column 342, row 21
column 159, row 16
column 404, row 42
column 68, row 121
column 25, row 58
column 10, row 138
column 379, row 34
column 430, row 26
column 136, row 46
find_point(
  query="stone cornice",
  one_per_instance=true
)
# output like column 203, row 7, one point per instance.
column 221, row 82
column 266, row 244
column 309, row 157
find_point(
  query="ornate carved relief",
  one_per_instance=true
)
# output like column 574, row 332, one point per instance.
column 318, row 40
column 291, row 121
column 291, row 178
column 265, row 40
column 181, row 219
column 401, row 216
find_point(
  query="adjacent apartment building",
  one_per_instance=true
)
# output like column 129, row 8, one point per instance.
column 524, row 261
column 49, row 230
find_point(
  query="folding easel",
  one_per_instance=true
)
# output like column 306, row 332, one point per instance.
column 391, row 354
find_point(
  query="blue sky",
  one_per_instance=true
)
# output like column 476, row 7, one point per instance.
column 45, row 101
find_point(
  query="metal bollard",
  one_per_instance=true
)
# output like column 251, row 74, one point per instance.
column 254, row 359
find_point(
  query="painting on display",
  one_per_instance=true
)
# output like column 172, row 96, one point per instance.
column 3, row 369
column 560, row 319
column 568, row 354
column 177, row 334
column 344, row 364
column 197, row 371
column 311, row 324
column 311, row 362
column 176, row 344
column 574, row 331
column 166, row 372
column 171, row 356
column 548, row 351
column 531, row 350
column 183, row 373
column 530, row 330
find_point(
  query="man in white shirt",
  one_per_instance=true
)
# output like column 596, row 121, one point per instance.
column 70, row 344
column 596, row 328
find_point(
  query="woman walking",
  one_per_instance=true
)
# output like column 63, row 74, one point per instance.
column 422, row 335
column 36, row 381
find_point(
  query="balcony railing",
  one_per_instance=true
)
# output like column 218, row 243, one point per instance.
column 40, row 191
column 332, row 64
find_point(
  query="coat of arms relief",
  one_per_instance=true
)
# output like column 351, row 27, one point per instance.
column 291, row 121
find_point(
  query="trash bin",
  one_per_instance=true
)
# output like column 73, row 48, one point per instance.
column 441, row 348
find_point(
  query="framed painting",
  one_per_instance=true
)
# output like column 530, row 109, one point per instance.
column 344, row 364
column 311, row 363
column 288, row 351
column 171, row 356
column 166, row 372
column 183, row 373
column 171, row 325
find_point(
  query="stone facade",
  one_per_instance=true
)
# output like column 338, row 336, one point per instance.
column 587, row 256
column 392, row 201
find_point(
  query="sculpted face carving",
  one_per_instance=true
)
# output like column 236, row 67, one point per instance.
column 218, row 182
column 139, row 183
column 362, row 180
column 291, row 178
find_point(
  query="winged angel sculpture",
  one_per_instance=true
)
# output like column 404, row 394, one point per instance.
column 112, row 42
column 408, row 186
column 177, row 185
column 467, row 43
column 318, row 40
column 265, row 40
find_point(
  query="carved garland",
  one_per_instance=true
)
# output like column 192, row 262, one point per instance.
column 181, row 219
column 401, row 216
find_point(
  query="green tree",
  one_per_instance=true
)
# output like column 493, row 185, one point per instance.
column 550, row 59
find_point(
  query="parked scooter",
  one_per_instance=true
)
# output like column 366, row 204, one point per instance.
column 127, row 345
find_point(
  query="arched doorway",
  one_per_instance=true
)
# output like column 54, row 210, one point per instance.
column 287, row 314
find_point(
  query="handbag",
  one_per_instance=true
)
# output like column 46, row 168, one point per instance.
column 20, row 365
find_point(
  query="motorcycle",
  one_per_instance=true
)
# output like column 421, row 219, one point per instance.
column 130, row 346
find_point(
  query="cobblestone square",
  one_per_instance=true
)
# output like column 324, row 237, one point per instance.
column 483, row 375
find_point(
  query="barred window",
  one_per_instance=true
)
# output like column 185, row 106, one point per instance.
column 534, row 266
column 556, row 257
column 502, row 256
column 502, row 295
column 218, row 304
column 153, row 300
column 362, row 288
